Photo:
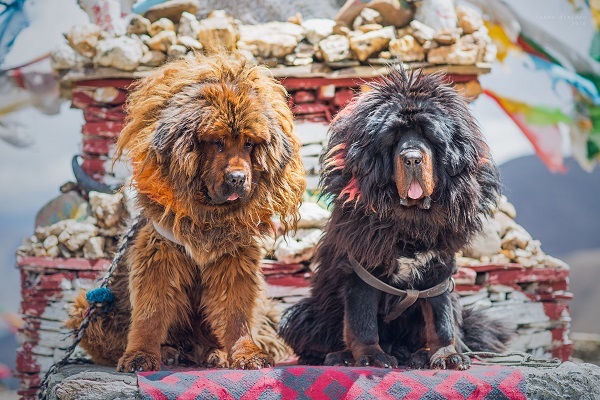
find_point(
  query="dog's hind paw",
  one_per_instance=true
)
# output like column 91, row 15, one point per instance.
column 448, row 358
column 380, row 360
column 138, row 361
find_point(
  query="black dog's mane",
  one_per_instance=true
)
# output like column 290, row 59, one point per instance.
column 358, row 171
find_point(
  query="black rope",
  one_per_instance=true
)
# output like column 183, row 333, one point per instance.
column 93, row 307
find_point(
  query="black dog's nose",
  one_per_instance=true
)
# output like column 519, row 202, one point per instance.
column 412, row 158
column 236, row 178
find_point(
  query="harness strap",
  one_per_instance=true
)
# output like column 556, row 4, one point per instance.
column 409, row 297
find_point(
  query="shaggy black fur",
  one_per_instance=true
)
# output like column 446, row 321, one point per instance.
column 361, row 163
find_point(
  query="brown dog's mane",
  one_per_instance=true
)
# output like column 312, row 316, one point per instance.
column 182, row 106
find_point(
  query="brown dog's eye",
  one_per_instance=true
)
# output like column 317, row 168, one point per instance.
column 248, row 145
column 219, row 144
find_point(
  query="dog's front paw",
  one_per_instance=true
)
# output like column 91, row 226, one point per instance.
column 137, row 361
column 380, row 360
column 169, row 355
column 448, row 358
column 217, row 358
column 246, row 355
column 418, row 360
column 339, row 358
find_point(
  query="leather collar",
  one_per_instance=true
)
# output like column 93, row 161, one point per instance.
column 166, row 233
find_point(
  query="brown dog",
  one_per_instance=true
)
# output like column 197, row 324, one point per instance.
column 214, row 158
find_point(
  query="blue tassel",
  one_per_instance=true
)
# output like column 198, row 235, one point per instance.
column 100, row 295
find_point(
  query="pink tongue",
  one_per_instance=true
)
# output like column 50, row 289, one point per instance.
column 233, row 197
column 415, row 191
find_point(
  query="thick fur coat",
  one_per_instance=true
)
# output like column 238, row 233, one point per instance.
column 410, row 176
column 214, row 157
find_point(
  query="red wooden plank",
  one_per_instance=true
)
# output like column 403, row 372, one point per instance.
column 495, row 267
column 556, row 311
column 73, row 264
column 527, row 275
column 275, row 268
column 96, row 83
column 303, row 96
column 110, row 129
column 97, row 145
column 465, row 276
column 97, row 113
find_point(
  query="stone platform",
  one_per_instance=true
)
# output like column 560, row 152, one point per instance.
column 91, row 382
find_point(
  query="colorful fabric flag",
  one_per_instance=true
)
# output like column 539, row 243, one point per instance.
column 12, row 21
column 539, row 124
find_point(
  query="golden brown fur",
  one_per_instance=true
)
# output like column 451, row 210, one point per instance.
column 214, row 158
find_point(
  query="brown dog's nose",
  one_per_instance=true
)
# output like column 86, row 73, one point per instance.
column 412, row 158
column 236, row 178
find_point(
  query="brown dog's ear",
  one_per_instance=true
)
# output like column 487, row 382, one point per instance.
column 163, row 141
column 277, row 152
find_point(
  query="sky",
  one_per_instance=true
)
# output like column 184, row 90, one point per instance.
column 30, row 177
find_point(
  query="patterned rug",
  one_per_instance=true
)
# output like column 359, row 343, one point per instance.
column 304, row 382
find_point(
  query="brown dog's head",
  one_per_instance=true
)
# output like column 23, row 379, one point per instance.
column 213, row 136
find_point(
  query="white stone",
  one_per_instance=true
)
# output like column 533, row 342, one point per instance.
column 138, row 25
column 293, row 250
column 439, row 14
column 311, row 150
column 94, row 248
column 317, row 29
column 51, row 241
column 161, row 25
column 312, row 215
column 272, row 39
column 406, row 49
column 468, row 19
column 189, row 43
column 122, row 53
column 218, row 32
column 176, row 51
column 162, row 41
column 188, row 25
column 84, row 38
column 487, row 242
column 335, row 48
column 365, row 45
column 153, row 58
column 65, row 57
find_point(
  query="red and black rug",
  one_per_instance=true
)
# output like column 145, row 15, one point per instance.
column 304, row 382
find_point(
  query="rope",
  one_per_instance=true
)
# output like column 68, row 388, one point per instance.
column 87, row 317
column 526, row 360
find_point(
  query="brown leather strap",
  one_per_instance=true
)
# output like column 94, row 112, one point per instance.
column 409, row 297
column 409, row 300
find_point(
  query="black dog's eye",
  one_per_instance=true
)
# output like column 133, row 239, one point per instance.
column 248, row 145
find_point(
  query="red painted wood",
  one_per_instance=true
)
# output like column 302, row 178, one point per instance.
column 72, row 264
column 303, row 96
column 110, row 129
column 97, row 145
column 97, row 113
column 525, row 275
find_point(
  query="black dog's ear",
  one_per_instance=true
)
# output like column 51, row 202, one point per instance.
column 455, row 162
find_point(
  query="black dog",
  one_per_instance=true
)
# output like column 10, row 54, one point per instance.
column 410, row 176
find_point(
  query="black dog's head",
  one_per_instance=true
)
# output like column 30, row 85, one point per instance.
column 410, row 150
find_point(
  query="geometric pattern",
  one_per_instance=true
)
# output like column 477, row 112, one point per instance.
column 307, row 382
